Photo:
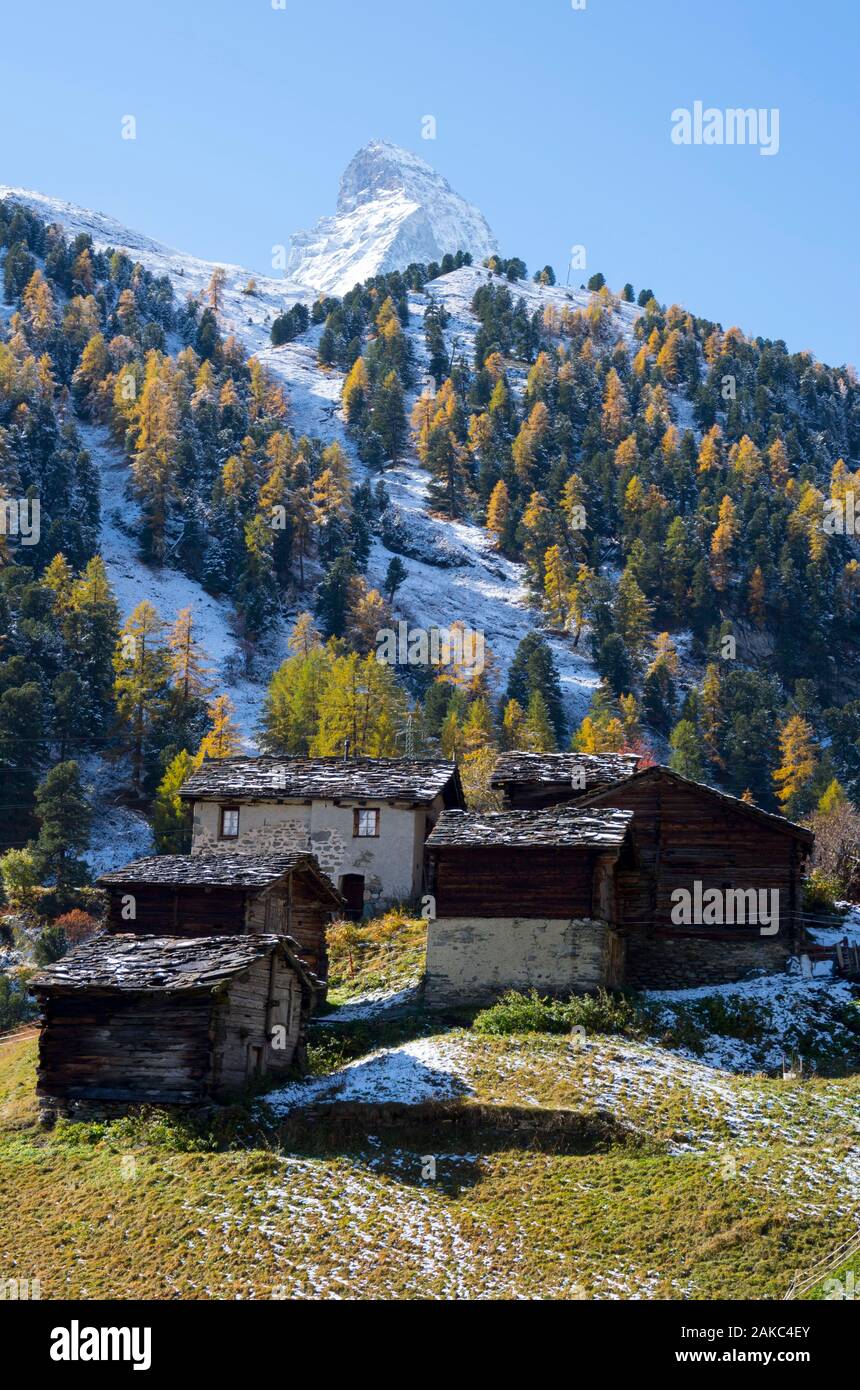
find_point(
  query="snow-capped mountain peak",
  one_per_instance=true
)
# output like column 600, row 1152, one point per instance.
column 392, row 208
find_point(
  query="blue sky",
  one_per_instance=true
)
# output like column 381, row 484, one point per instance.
column 556, row 122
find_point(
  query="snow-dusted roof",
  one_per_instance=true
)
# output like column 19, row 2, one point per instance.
column 301, row 779
column 228, row 869
column 558, row 826
column 733, row 803
column 157, row 964
column 600, row 769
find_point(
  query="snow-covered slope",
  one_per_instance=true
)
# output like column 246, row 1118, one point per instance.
column 190, row 275
column 454, row 572
column 392, row 209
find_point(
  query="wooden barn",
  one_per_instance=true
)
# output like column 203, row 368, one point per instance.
column 529, row 781
column 167, row 1020
column 525, row 899
column 226, row 894
column 691, row 837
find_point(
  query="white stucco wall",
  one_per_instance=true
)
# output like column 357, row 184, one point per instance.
column 392, row 863
column 471, row 960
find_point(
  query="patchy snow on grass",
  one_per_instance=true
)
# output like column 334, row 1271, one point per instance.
column 790, row 1006
column 339, row 1228
column 848, row 929
column 419, row 1071
column 802, row 1138
column 376, row 1004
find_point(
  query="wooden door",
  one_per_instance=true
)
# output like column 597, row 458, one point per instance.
column 352, row 888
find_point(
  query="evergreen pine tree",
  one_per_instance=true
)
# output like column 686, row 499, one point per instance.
column 65, row 816
column 686, row 755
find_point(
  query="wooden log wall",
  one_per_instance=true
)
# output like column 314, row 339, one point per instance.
column 130, row 1047
column 168, row 911
column 681, row 836
column 266, row 996
column 503, row 881
column 308, row 920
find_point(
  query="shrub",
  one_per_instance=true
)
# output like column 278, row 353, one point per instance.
column 52, row 944
column 732, row 1018
column 19, row 873
column 49, row 903
column 820, row 893
column 151, row 1127
column 77, row 925
column 692, row 1021
column 602, row 1012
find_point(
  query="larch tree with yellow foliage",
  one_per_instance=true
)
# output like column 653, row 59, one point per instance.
column 361, row 706
column 527, row 448
column 756, row 597
column 355, row 396
column 711, row 455
column 223, row 738
column 616, row 409
column 499, row 513
column 189, row 669
column 304, row 635
column 142, row 675
column 155, row 424
column 797, row 767
column 723, row 541
column 556, row 588
column 513, row 731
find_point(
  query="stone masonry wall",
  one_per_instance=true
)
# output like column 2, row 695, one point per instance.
column 662, row 962
column 473, row 960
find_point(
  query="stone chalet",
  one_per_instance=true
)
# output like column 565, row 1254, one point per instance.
column 365, row 820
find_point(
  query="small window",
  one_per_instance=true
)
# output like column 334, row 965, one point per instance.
column 365, row 823
column 229, row 822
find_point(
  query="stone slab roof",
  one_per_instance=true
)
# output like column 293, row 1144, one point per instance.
column 160, row 964
column 416, row 781
column 559, row 826
column 229, row 869
column 732, row 803
column 600, row 769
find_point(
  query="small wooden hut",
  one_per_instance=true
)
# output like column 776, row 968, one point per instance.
column 524, row 899
column 168, row 1020
column 226, row 894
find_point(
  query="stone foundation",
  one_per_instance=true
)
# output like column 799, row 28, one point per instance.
column 682, row 962
column 472, row 960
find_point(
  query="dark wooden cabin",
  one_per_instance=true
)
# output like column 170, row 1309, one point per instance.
column 683, row 833
column 529, row 781
column 225, row 894
column 167, row 1020
column 524, row 899
column 686, row 833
